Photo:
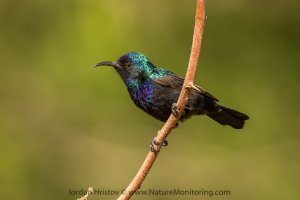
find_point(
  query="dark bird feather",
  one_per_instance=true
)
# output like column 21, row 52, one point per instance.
column 155, row 90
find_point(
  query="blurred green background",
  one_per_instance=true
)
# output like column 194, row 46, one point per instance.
column 66, row 126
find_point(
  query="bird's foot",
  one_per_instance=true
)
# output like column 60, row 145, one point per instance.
column 154, row 147
column 175, row 109
column 176, row 125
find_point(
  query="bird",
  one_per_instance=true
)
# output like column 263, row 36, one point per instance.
column 156, row 90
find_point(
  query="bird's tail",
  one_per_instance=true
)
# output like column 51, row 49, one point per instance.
column 228, row 116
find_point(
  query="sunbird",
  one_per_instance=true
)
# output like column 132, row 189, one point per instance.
column 156, row 90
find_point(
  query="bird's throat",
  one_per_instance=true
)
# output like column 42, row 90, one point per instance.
column 141, row 91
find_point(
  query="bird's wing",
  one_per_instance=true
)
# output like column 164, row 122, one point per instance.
column 174, row 81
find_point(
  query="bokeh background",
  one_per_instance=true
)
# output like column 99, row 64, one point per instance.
column 66, row 126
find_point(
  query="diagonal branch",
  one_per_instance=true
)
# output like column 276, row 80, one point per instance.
column 182, row 101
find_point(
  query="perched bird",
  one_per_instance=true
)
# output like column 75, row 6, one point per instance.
column 155, row 90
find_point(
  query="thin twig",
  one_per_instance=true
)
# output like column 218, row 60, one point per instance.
column 183, row 98
column 89, row 192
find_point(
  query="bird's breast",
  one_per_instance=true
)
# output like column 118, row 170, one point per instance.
column 142, row 94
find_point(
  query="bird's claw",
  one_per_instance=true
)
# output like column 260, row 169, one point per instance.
column 175, row 109
column 165, row 143
column 176, row 125
column 154, row 147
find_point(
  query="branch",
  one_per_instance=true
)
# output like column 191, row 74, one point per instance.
column 182, row 101
column 88, row 193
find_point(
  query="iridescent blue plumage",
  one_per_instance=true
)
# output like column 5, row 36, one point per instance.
column 141, row 94
column 139, row 82
column 155, row 89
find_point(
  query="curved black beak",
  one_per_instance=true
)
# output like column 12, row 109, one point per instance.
column 108, row 63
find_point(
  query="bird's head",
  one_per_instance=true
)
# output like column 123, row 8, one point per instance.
column 132, row 65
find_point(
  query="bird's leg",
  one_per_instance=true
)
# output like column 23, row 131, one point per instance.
column 175, row 109
column 154, row 145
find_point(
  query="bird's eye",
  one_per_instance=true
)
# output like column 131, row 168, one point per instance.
column 128, row 64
